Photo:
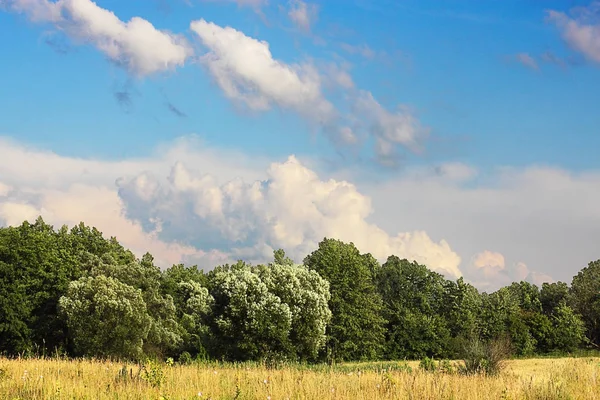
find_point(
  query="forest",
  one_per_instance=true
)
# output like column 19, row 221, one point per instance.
column 73, row 292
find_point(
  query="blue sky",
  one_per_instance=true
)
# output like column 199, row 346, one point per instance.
column 487, row 91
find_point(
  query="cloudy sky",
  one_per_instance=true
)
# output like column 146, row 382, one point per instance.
column 463, row 134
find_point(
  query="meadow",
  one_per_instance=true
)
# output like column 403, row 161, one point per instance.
column 549, row 378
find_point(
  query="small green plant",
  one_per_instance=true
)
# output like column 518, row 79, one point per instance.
column 428, row 364
column 152, row 373
column 169, row 361
column 446, row 367
column 404, row 367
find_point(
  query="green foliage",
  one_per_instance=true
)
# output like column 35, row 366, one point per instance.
column 418, row 303
column 307, row 296
column 71, row 291
column 185, row 358
column 105, row 317
column 152, row 373
column 585, row 298
column 268, row 312
column 553, row 295
column 357, row 328
column 569, row 329
column 428, row 364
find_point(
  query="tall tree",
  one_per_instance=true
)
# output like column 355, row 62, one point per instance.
column 415, row 299
column 357, row 328
column 585, row 291
column 105, row 317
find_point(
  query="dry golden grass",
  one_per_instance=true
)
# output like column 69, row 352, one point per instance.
column 564, row 378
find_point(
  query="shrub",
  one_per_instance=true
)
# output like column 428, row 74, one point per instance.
column 427, row 364
column 185, row 358
column 446, row 367
column 486, row 358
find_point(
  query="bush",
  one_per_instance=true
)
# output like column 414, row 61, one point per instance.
column 185, row 358
column 427, row 364
column 446, row 367
column 486, row 358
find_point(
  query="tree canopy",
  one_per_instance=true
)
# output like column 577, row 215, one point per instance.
column 76, row 292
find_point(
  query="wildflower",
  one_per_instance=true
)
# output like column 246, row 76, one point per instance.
column 199, row 394
column 332, row 390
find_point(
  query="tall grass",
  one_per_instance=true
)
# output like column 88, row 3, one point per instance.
column 51, row 379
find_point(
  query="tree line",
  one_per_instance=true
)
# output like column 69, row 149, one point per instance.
column 75, row 292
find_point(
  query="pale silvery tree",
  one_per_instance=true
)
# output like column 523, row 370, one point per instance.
column 105, row 317
column 249, row 322
column 307, row 295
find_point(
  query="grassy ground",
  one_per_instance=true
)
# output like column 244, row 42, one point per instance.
column 562, row 378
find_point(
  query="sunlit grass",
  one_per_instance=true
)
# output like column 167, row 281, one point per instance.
column 564, row 378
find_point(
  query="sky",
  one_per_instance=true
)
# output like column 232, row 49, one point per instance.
column 462, row 134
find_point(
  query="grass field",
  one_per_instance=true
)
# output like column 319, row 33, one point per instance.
column 560, row 378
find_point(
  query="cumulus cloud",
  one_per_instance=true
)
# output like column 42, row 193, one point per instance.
column 488, row 270
column 189, row 202
column 303, row 14
column 246, row 71
column 68, row 190
column 581, row 30
column 135, row 45
column 546, row 218
column 292, row 209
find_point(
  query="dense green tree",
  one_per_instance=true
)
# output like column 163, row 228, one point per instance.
column 36, row 270
column 461, row 305
column 553, row 295
column 105, row 317
column 415, row 299
column 357, row 329
column 194, row 310
column 585, row 290
column 165, row 334
column 569, row 329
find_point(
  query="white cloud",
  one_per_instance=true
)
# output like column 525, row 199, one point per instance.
column 526, row 60
column 68, row 190
column 246, row 71
column 390, row 129
column 291, row 208
column 189, row 202
column 4, row 189
column 489, row 271
column 546, row 218
column 191, row 215
column 303, row 14
column 135, row 45
column 581, row 32
column 489, row 259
